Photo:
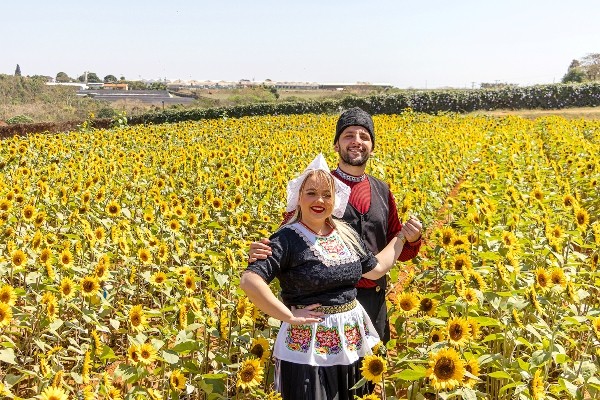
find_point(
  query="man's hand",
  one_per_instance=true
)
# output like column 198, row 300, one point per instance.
column 259, row 250
column 412, row 229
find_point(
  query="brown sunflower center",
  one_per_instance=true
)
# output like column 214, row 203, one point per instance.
column 247, row 374
column 376, row 367
column 257, row 350
column 456, row 332
column 444, row 368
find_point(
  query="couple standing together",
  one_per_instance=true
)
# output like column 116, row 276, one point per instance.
column 340, row 237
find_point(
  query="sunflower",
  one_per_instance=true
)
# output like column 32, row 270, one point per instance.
column 557, row 277
column 67, row 288
column 538, row 194
column 260, row 349
column 133, row 354
column 158, row 278
column 5, row 314
column 428, row 306
column 470, row 296
column 509, row 239
column 101, row 270
column 460, row 262
column 446, row 369
column 250, row 374
column 189, row 281
column 216, row 203
column 408, row 303
column 113, row 208
column 137, row 318
column 174, row 225
column 472, row 367
column 5, row 205
column 192, row 219
column 66, row 258
column 28, row 213
column 145, row 256
column 45, row 255
column 147, row 353
column 54, row 393
column 245, row 218
column 569, row 200
column 473, row 328
column 177, row 380
column 371, row 396
column 99, row 234
column 542, row 278
column 458, row 331
column 18, row 258
column 596, row 326
column 437, row 335
column 89, row 286
column 516, row 318
column 373, row 367
column 582, row 218
column 163, row 252
column 154, row 394
column 243, row 310
column 537, row 386
column 51, row 305
column 7, row 295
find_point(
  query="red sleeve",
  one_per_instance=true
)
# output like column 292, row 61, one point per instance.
column 410, row 250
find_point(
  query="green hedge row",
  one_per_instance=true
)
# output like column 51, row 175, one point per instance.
column 429, row 101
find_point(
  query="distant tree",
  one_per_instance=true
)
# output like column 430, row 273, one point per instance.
column 591, row 66
column 18, row 71
column 91, row 77
column 62, row 77
column 122, row 78
column 575, row 74
column 110, row 79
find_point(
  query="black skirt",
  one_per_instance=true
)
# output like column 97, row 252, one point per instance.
column 307, row 382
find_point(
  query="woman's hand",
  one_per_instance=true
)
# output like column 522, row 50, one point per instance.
column 306, row 315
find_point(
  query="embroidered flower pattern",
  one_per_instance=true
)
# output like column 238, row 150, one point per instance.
column 353, row 337
column 327, row 340
column 299, row 337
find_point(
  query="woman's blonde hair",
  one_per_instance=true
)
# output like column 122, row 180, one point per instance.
column 346, row 232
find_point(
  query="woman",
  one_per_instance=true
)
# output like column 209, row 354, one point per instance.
column 318, row 260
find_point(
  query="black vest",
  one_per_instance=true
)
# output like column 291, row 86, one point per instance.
column 372, row 226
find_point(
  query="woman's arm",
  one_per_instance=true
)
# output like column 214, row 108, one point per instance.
column 261, row 295
column 387, row 257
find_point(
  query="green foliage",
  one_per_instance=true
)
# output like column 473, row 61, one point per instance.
column 106, row 112
column 575, row 75
column 546, row 97
column 19, row 119
column 91, row 77
column 110, row 79
column 62, row 77
column 119, row 120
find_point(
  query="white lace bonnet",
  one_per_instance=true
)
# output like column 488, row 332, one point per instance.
column 342, row 191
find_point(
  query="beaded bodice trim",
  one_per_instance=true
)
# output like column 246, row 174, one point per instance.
column 331, row 250
column 350, row 178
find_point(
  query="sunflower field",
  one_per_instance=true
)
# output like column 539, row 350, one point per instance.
column 121, row 252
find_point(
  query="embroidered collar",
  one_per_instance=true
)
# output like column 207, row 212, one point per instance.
column 350, row 178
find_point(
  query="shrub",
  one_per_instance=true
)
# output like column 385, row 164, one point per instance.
column 19, row 119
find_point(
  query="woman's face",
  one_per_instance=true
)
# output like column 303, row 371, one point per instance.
column 316, row 199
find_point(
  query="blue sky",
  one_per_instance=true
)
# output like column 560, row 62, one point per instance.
column 419, row 44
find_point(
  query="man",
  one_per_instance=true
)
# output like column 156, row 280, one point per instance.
column 371, row 210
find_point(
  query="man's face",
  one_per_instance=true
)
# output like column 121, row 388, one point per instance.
column 354, row 145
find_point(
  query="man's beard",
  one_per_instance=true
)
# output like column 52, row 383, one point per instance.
column 356, row 162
